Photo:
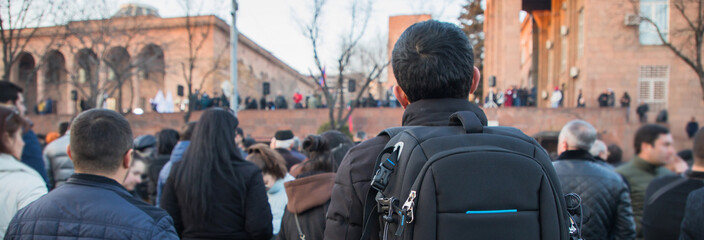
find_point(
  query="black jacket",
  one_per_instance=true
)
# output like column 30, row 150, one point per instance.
column 289, row 157
column 236, row 213
column 345, row 214
column 606, row 204
column 693, row 221
column 155, row 163
column 308, row 199
column 90, row 207
column 662, row 217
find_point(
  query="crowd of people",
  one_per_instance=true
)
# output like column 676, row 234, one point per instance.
column 209, row 181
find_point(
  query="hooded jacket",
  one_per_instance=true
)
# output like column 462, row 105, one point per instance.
column 308, row 199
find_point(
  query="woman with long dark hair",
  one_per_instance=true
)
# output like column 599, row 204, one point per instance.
column 212, row 193
column 309, row 195
column 19, row 184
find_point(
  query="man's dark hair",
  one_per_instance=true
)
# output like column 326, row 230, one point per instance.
column 615, row 154
column 63, row 127
column 9, row 92
column 433, row 59
column 166, row 140
column 648, row 134
column 187, row 131
column 698, row 148
column 99, row 140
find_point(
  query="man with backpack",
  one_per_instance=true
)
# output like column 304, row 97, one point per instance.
column 433, row 64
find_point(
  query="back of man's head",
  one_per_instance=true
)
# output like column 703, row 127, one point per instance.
column 9, row 92
column 698, row 148
column 99, row 140
column 578, row 135
column 648, row 134
column 433, row 59
column 599, row 150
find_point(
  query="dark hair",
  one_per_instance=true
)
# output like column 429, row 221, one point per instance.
column 240, row 132
column 698, row 147
column 166, row 140
column 211, row 152
column 648, row 134
column 319, row 148
column 615, row 154
column 433, row 59
column 247, row 142
column 99, row 140
column 9, row 92
column 10, row 123
column 187, row 131
column 267, row 159
column 63, row 127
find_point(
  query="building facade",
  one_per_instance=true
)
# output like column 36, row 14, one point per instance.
column 135, row 54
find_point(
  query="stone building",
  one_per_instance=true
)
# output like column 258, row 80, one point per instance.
column 136, row 53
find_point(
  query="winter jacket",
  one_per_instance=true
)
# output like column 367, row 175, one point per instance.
column 277, row 201
column 90, row 207
column 691, row 228
column 235, row 212
column 59, row 165
column 352, row 182
column 663, row 215
column 19, row 186
column 308, row 199
column 176, row 155
column 638, row 174
column 289, row 157
column 155, row 164
column 605, row 201
column 32, row 154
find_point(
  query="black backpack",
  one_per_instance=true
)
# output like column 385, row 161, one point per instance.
column 465, row 181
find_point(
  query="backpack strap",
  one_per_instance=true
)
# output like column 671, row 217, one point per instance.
column 379, row 181
column 467, row 119
column 665, row 189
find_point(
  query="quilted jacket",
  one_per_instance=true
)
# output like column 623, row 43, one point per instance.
column 90, row 207
column 606, row 204
column 58, row 165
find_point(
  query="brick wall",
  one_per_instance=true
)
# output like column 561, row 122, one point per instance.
column 611, row 123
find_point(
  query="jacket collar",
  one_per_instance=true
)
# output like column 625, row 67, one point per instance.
column 436, row 112
column 694, row 175
column 644, row 165
column 96, row 181
column 576, row 155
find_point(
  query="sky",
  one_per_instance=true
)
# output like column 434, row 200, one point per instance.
column 276, row 25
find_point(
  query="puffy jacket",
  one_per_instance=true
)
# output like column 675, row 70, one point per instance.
column 352, row 182
column 59, row 165
column 90, row 207
column 19, row 186
column 308, row 199
column 606, row 205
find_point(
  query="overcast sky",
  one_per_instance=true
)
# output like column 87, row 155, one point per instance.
column 276, row 24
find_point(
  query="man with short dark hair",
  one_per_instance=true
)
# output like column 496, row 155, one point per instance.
column 666, row 197
column 11, row 96
column 93, row 204
column 433, row 63
column 654, row 148
column 604, row 194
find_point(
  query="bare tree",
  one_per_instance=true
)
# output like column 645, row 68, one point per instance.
column 685, row 41
column 359, row 12
column 197, row 33
column 103, row 64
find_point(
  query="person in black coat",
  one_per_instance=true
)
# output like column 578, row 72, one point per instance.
column 166, row 140
column 212, row 193
column 692, row 127
column 604, row 99
column 666, row 197
column 605, row 196
column 309, row 195
column 282, row 142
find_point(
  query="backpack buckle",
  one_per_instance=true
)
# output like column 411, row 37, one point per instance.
column 386, row 167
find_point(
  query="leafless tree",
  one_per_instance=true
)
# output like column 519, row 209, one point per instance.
column 360, row 11
column 684, row 40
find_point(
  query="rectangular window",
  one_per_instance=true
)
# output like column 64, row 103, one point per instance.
column 563, row 52
column 580, row 34
column 652, row 86
column 657, row 11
